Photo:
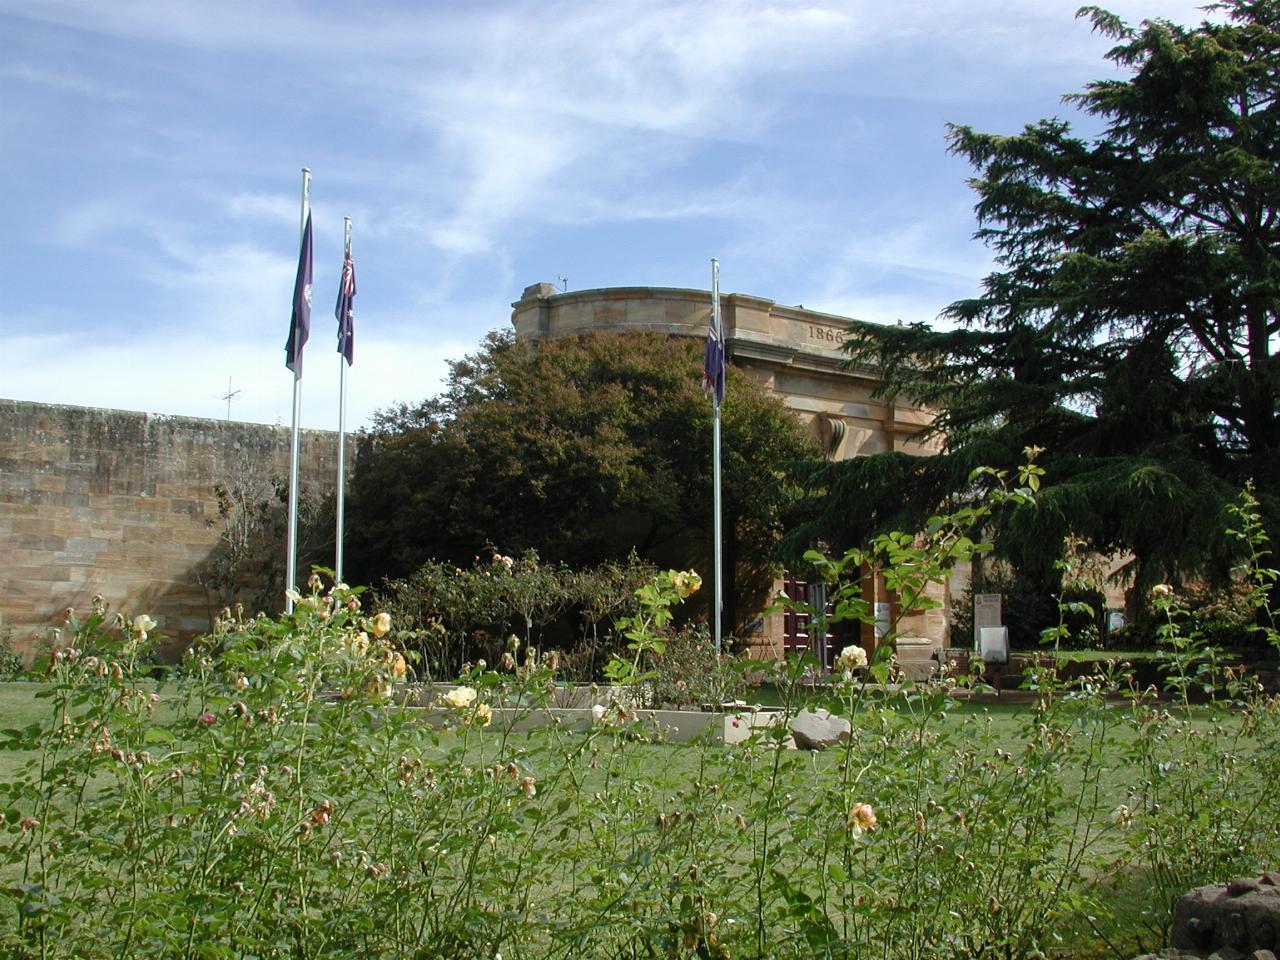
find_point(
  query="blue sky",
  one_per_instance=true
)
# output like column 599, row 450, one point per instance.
column 150, row 157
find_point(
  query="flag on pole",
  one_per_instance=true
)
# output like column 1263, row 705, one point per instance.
column 345, row 310
column 300, row 322
column 713, row 369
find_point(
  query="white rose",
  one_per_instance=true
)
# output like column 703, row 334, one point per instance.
column 459, row 698
column 852, row 657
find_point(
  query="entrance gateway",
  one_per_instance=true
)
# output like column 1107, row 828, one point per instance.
column 795, row 355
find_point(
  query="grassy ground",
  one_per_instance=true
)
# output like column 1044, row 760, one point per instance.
column 1001, row 725
column 19, row 706
column 672, row 769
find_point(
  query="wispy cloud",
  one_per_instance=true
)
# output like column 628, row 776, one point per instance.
column 63, row 81
column 481, row 147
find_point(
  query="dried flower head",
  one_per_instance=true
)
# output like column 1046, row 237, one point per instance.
column 322, row 814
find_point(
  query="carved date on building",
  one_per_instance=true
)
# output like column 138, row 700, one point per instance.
column 825, row 334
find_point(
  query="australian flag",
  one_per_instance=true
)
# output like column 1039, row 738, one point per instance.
column 713, row 369
column 345, row 309
column 300, row 322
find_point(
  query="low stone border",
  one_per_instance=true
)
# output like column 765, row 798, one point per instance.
column 673, row 726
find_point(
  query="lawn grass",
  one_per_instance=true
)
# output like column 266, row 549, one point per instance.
column 1003, row 724
column 19, row 708
column 18, row 704
column 988, row 725
column 676, row 770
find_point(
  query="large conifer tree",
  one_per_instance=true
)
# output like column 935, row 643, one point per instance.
column 1131, row 326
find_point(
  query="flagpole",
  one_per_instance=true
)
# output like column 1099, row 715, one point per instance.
column 342, row 418
column 291, row 562
column 715, row 457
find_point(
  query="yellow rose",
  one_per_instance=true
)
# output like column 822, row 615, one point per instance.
column 381, row 624
column 398, row 666
column 684, row 582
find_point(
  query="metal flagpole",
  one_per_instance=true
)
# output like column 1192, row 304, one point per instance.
column 342, row 416
column 715, row 452
column 291, row 563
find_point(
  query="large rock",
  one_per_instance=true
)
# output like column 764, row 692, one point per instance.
column 818, row 729
column 1240, row 919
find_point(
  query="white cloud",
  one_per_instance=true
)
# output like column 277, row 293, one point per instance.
column 90, row 221
column 270, row 207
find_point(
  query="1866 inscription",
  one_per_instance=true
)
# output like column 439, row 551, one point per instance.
column 825, row 334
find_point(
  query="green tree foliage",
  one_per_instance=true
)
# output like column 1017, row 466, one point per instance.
column 1131, row 323
column 581, row 449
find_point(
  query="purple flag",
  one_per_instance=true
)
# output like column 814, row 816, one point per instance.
column 300, row 322
column 345, row 309
column 713, row 369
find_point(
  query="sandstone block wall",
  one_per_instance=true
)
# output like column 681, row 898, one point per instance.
column 121, row 504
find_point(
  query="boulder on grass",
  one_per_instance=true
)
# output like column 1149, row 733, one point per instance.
column 818, row 729
column 1239, row 920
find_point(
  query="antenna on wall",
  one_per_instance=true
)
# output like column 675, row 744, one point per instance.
column 564, row 284
column 230, row 393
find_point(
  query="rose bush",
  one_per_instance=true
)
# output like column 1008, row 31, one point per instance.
column 274, row 801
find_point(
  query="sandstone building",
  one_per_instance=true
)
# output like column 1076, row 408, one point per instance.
column 795, row 354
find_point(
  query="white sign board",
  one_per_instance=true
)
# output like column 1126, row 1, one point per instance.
column 883, row 618
column 986, row 613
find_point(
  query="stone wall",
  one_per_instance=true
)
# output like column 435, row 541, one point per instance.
column 122, row 504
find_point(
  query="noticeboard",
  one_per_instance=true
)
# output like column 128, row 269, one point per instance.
column 987, row 612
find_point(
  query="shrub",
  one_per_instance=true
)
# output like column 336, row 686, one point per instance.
column 456, row 616
column 278, row 801
column 11, row 665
